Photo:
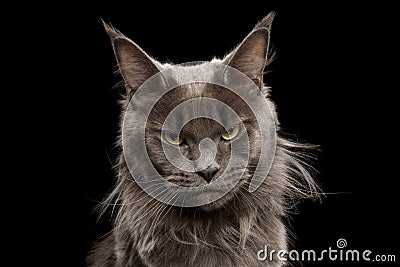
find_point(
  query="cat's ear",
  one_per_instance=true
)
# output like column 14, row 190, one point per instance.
column 250, row 57
column 134, row 64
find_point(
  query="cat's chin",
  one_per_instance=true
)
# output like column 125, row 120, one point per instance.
column 212, row 206
column 217, row 204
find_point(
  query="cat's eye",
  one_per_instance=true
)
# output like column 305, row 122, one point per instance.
column 173, row 138
column 230, row 133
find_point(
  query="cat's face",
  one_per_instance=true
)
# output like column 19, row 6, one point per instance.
column 186, row 132
column 176, row 137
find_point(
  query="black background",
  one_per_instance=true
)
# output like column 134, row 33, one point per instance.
column 332, row 83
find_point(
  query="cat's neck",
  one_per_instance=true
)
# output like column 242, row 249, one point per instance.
column 233, row 233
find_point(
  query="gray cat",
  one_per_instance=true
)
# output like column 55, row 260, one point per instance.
column 230, row 230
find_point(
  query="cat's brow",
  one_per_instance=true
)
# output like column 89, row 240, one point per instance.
column 157, row 126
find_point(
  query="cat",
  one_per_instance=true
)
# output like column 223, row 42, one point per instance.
column 230, row 230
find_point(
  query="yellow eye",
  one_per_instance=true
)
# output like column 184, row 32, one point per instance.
column 172, row 138
column 231, row 133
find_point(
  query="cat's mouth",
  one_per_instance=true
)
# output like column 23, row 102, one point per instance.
column 185, row 181
column 222, row 193
column 194, row 181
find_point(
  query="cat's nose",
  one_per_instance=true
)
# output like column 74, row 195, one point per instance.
column 209, row 172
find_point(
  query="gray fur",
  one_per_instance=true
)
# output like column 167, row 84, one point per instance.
column 226, row 233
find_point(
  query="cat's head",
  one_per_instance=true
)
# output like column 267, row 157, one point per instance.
column 191, row 129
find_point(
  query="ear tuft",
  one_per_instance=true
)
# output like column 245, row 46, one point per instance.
column 111, row 31
column 266, row 22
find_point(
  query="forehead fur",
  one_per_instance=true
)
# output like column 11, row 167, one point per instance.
column 183, row 93
column 194, row 90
